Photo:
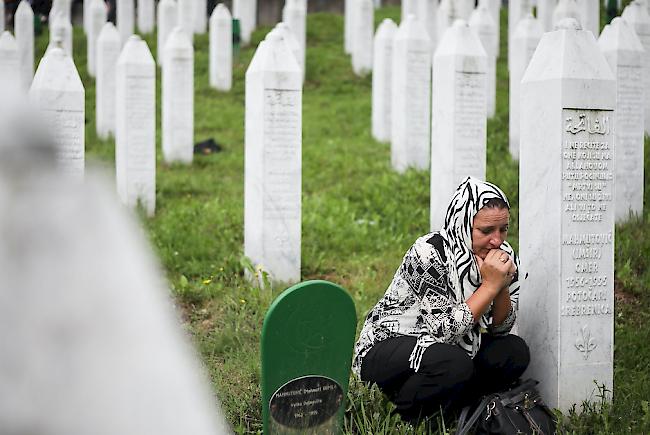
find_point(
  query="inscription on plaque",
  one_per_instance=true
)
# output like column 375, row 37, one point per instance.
column 629, row 170
column 67, row 127
column 417, row 98
column 469, row 119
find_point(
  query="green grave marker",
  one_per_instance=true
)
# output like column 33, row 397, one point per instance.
column 307, row 341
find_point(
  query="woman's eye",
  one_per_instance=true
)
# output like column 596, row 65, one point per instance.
column 486, row 232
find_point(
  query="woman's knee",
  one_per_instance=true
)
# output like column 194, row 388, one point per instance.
column 520, row 353
column 447, row 361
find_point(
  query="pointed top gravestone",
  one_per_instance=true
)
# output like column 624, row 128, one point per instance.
column 167, row 20
column 636, row 14
column 125, row 19
column 109, row 45
column 10, row 78
column 363, row 37
column 590, row 15
column 306, row 353
column 61, row 33
column 185, row 12
column 24, row 30
column 200, row 16
column 566, row 9
column 482, row 23
column 382, row 80
column 294, row 15
column 96, row 20
column 246, row 12
column 2, row 15
column 221, row 48
column 288, row 37
column 146, row 15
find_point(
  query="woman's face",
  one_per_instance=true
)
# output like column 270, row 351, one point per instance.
column 489, row 230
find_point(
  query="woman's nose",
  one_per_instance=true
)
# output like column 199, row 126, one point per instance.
column 496, row 241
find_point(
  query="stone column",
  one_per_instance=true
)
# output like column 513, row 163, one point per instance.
column 167, row 20
column 636, row 14
column 200, row 16
column 273, row 157
column 24, row 30
column 294, row 14
column 221, row 48
column 58, row 94
column 135, row 123
column 481, row 22
column 246, row 12
column 524, row 43
column 363, row 38
column 382, row 80
column 97, row 19
column 459, row 121
column 146, row 16
column 410, row 100
column 566, row 186
column 624, row 53
column 125, row 19
column 10, row 77
column 186, row 17
column 566, row 9
column 61, row 33
column 109, row 46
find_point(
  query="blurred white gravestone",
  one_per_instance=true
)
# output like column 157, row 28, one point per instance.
column 517, row 10
column 459, row 125
column 624, row 53
column 135, row 124
column 273, row 138
column 348, row 10
column 167, row 20
column 221, row 48
column 200, row 16
column 294, row 15
column 61, row 33
column 86, row 15
column 566, row 9
column 294, row 46
column 524, row 43
column 73, row 336
column 481, row 22
column 178, row 99
column 96, row 21
column 590, row 15
column 427, row 13
column 246, row 12
column 464, row 8
column 2, row 16
column 566, row 169
column 62, row 6
column 636, row 14
column 185, row 11
column 363, row 37
column 382, row 80
column 58, row 94
column 447, row 14
column 146, row 16
column 24, row 30
column 125, row 19
column 545, row 14
column 410, row 98
column 495, row 11
column 109, row 46
column 409, row 7
column 10, row 77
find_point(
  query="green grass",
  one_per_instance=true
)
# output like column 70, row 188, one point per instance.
column 359, row 217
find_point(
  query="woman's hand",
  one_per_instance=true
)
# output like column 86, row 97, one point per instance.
column 497, row 270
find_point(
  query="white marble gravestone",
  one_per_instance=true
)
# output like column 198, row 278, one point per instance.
column 125, row 19
column 636, row 14
column 97, row 19
column 167, row 20
column 590, row 15
column 545, row 14
column 273, row 157
column 409, row 7
column 146, row 16
column 427, row 13
column 517, row 9
column 246, row 12
column 221, row 48
column 566, row 185
column 10, row 74
column 495, row 11
column 2, row 14
column 464, row 8
column 135, row 125
column 185, row 11
column 24, row 30
column 61, row 33
column 624, row 53
column 58, row 94
column 524, row 42
column 178, row 99
column 348, row 10
column 459, row 115
column 288, row 38
column 86, row 15
column 200, row 16
column 481, row 22
column 447, row 14
column 410, row 97
column 566, row 9
column 109, row 46
column 364, row 28
column 294, row 15
column 382, row 80
column 86, row 351
column 62, row 6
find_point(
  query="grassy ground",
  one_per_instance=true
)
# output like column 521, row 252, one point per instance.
column 358, row 219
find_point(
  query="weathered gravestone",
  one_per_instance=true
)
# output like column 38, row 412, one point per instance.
column 566, row 9
column 62, row 6
column 10, row 79
column 221, row 48
column 636, row 14
column 624, row 53
column 246, row 12
column 125, row 19
column 566, row 223
column 200, row 16
column 135, row 125
column 167, row 20
column 459, row 121
column 185, row 10
column 410, row 99
column 24, row 30
column 108, row 51
column 524, row 43
column 273, row 156
column 97, row 19
column 146, row 14
column 590, row 15
column 58, row 94
column 61, row 33
column 481, row 22
column 364, row 28
column 294, row 15
column 178, row 99
column 517, row 10
column 382, row 80
column 307, row 341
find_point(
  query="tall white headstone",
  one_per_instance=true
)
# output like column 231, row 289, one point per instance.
column 178, row 99
column 636, row 14
column 97, row 19
column 566, row 184
column 135, row 119
column 590, row 15
column 464, row 8
column 2, row 15
column 58, row 94
column 146, row 16
column 61, row 33
column 109, row 45
column 427, row 13
column 294, row 14
column 86, row 15
column 382, row 80
column 10, row 75
column 447, row 14
column 545, row 13
column 200, row 16
column 24, row 30
column 167, row 20
column 186, row 17
column 409, row 7
column 481, row 22
column 62, row 6
column 125, row 19
column 272, row 204
column 221, row 48
column 410, row 99
column 624, row 53
column 459, row 121
column 566, row 9
column 495, row 11
column 517, row 10
column 289, row 39
column 363, row 37
column 348, row 18
column 524, row 43
column 246, row 12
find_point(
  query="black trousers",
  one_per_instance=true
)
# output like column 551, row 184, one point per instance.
column 448, row 378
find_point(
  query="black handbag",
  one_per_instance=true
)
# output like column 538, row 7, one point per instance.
column 519, row 410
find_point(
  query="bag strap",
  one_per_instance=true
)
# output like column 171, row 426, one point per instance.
column 465, row 427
